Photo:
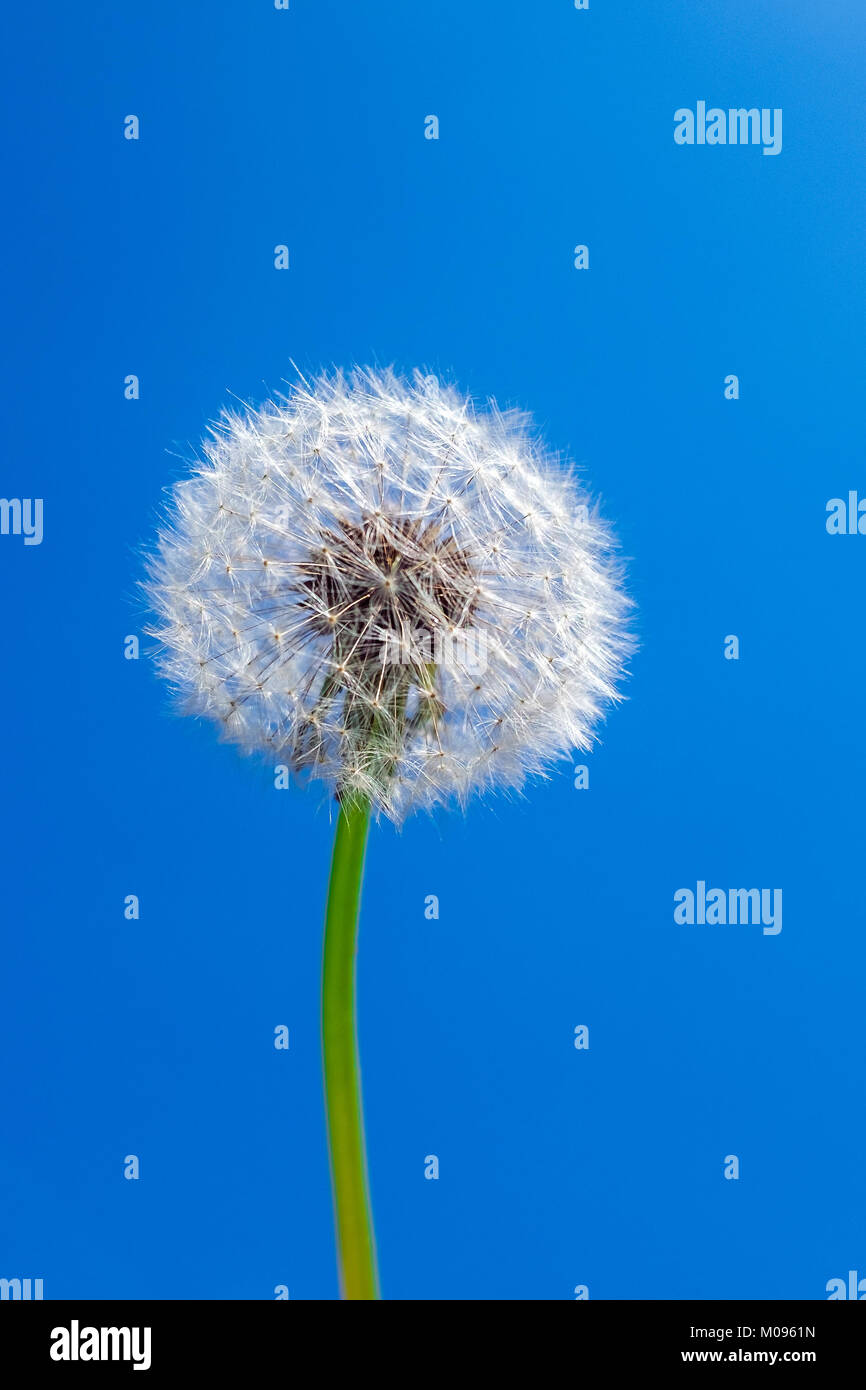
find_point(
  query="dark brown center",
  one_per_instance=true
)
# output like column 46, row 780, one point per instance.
column 387, row 580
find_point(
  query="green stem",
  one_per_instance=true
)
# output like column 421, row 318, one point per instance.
column 355, row 1240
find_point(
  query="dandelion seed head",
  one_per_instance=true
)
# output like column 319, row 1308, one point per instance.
column 390, row 589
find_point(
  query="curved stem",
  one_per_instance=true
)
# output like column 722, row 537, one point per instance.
column 355, row 1240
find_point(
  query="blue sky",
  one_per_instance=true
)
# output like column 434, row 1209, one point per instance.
column 558, row 1167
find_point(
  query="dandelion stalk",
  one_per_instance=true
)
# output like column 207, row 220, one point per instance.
column 356, row 1251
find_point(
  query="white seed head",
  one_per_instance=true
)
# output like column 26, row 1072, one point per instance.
column 384, row 587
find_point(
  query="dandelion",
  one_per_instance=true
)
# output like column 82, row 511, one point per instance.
column 404, row 597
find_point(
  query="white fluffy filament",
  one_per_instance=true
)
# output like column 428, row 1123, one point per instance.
column 377, row 584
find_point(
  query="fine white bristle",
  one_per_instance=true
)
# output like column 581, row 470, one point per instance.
column 382, row 586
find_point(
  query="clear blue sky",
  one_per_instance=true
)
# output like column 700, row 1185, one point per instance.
column 154, row 1037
